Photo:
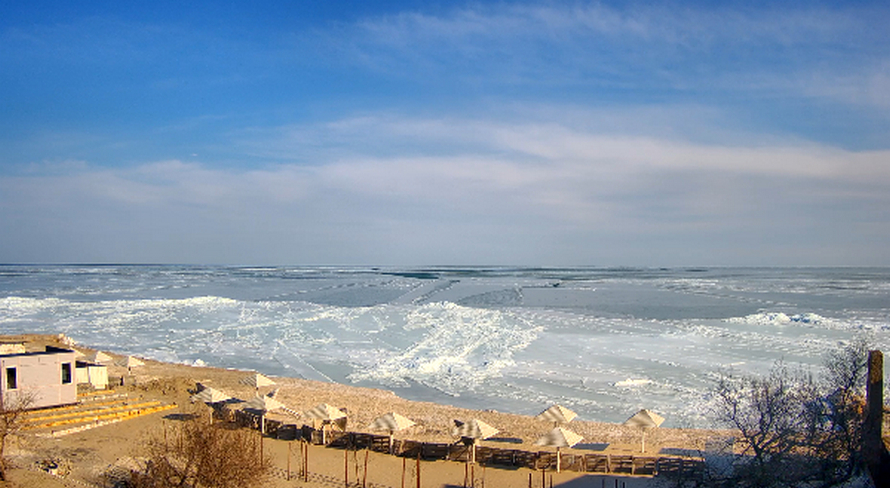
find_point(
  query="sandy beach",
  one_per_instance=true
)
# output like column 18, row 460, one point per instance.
column 91, row 457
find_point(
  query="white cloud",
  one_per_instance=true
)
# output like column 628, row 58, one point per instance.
column 494, row 194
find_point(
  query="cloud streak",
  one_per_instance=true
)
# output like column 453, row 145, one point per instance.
column 683, row 49
column 527, row 180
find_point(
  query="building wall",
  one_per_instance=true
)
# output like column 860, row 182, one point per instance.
column 38, row 379
column 96, row 375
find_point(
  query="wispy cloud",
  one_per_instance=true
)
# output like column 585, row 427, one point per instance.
column 518, row 180
column 792, row 51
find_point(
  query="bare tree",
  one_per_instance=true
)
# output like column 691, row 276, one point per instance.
column 12, row 419
column 196, row 454
column 793, row 430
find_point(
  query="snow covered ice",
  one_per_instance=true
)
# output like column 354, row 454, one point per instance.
column 603, row 342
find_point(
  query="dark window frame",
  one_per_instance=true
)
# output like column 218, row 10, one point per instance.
column 67, row 377
column 12, row 382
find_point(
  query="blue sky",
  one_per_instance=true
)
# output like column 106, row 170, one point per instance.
column 555, row 133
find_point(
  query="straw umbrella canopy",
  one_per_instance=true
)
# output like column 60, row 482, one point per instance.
column 557, row 414
column 644, row 419
column 559, row 437
column 473, row 430
column 256, row 380
column 326, row 414
column 129, row 362
column 99, row 357
column 264, row 404
column 210, row 395
column 391, row 422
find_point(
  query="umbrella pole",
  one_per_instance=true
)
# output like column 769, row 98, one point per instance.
column 473, row 452
column 418, row 467
column 558, row 459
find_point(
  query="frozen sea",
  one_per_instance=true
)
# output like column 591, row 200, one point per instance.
column 601, row 341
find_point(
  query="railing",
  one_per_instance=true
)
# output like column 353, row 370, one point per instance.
column 490, row 456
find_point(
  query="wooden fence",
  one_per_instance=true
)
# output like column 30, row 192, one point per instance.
column 490, row 456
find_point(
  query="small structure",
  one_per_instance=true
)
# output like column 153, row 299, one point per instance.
column 95, row 375
column 38, row 379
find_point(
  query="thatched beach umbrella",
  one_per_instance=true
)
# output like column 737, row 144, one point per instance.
column 129, row 362
column 210, row 395
column 264, row 404
column 557, row 414
column 99, row 357
column 391, row 422
column 473, row 431
column 256, row 380
column 644, row 419
column 326, row 414
column 559, row 437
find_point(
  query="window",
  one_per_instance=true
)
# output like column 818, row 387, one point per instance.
column 11, row 379
column 66, row 373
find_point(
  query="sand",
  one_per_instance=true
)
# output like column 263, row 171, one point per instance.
column 89, row 456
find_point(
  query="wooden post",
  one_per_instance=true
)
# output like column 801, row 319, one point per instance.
column 365, row 472
column 288, row 462
column 418, row 467
column 306, row 464
column 872, row 445
column 346, row 466
column 404, row 461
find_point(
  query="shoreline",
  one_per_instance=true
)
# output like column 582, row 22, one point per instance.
column 107, row 446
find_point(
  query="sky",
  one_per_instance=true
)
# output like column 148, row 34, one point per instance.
column 426, row 133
